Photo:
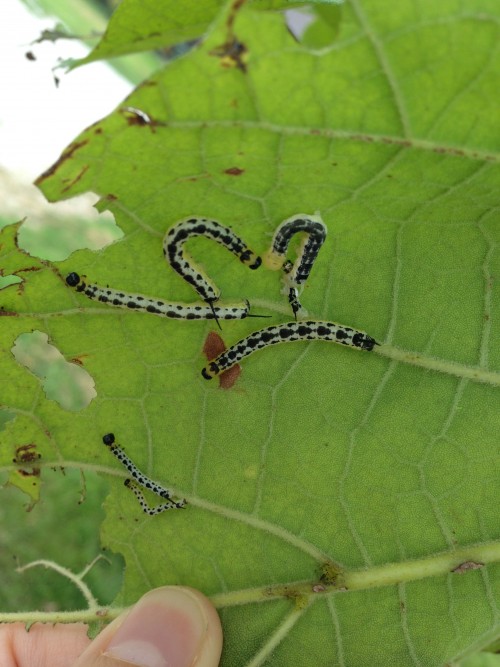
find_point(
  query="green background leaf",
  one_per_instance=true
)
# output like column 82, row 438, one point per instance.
column 331, row 493
column 143, row 25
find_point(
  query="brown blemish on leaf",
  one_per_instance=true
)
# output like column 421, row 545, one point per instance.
column 77, row 178
column 30, row 55
column 236, row 6
column 27, row 269
column 213, row 346
column 7, row 313
column 27, row 454
column 466, row 566
column 135, row 116
column 79, row 359
column 65, row 155
column 234, row 171
column 140, row 118
column 330, row 573
column 232, row 54
column 192, row 178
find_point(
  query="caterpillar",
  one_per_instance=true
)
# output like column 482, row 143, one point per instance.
column 147, row 509
column 288, row 333
column 182, row 311
column 181, row 261
column 295, row 274
column 143, row 480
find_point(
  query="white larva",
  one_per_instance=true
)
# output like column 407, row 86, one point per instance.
column 295, row 274
column 147, row 509
column 181, row 311
column 289, row 332
column 143, row 480
column 182, row 262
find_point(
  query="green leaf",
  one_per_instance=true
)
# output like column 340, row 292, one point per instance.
column 143, row 25
column 343, row 507
column 289, row 4
column 481, row 660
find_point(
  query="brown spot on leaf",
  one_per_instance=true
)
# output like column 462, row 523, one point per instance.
column 140, row 118
column 65, row 155
column 213, row 346
column 30, row 55
column 77, row 178
column 235, row 7
column 234, row 171
column 466, row 566
column 136, row 116
column 79, row 359
column 27, row 454
column 233, row 52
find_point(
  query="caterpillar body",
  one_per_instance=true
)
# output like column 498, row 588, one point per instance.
column 181, row 261
column 181, row 311
column 289, row 332
column 143, row 480
column 296, row 273
column 147, row 509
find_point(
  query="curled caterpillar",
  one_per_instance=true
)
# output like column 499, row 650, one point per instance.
column 289, row 332
column 182, row 262
column 181, row 311
column 295, row 274
column 143, row 480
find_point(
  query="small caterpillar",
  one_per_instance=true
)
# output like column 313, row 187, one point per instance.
column 181, row 261
column 182, row 311
column 143, row 480
column 295, row 274
column 288, row 333
column 152, row 511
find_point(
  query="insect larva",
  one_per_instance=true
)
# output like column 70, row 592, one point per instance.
column 288, row 333
column 147, row 509
column 181, row 261
column 142, row 479
column 183, row 311
column 295, row 274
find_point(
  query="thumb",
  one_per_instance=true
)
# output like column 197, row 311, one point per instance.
column 170, row 626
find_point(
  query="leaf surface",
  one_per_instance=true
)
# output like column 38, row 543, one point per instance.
column 339, row 502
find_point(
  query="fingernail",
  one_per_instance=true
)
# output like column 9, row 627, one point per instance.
column 166, row 628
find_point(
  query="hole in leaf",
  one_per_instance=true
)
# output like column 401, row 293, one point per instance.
column 68, row 384
column 315, row 27
column 52, row 231
column 5, row 281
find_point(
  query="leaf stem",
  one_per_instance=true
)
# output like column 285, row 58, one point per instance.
column 474, row 373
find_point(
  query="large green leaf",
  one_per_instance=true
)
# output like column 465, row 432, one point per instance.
column 343, row 507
